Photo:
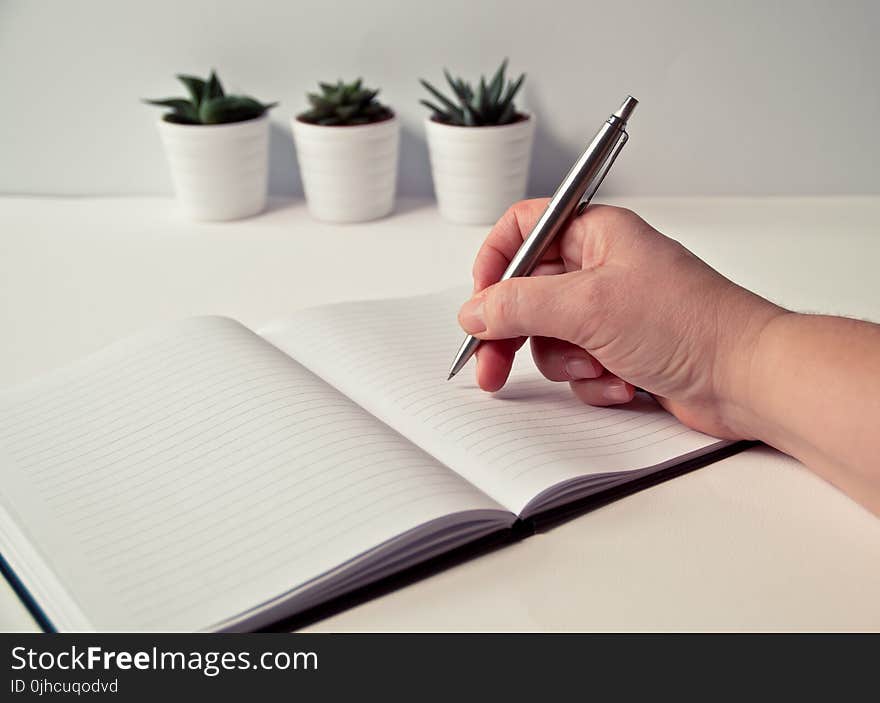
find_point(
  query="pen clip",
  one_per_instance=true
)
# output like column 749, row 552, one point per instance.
column 599, row 178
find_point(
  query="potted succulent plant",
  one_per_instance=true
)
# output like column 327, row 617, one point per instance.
column 218, row 149
column 346, row 145
column 479, row 145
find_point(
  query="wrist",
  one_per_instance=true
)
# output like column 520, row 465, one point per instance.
column 746, row 329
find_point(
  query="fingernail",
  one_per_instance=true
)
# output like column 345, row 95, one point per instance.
column 579, row 367
column 471, row 317
column 616, row 392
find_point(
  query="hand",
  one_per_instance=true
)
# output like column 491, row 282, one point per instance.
column 615, row 304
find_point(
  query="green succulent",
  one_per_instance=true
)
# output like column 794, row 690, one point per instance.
column 491, row 104
column 208, row 104
column 342, row 104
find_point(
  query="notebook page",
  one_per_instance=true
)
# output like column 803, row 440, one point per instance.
column 195, row 471
column 392, row 357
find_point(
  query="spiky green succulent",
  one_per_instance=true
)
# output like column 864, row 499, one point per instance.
column 209, row 104
column 491, row 104
column 341, row 104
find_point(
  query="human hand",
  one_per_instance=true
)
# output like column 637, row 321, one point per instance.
column 616, row 304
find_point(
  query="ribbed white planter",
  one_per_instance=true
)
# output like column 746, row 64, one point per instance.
column 349, row 174
column 220, row 172
column 479, row 171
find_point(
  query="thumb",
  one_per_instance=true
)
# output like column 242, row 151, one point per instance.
column 543, row 306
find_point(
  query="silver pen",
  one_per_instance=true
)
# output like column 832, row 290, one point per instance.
column 570, row 200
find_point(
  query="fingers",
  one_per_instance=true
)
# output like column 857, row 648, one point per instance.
column 561, row 306
column 591, row 383
column 563, row 361
column 494, row 360
column 505, row 239
column 549, row 268
column 558, row 361
column 605, row 390
column 584, row 243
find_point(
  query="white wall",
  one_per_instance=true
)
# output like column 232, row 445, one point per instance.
column 737, row 97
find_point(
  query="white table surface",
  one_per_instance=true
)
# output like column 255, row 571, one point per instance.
column 753, row 542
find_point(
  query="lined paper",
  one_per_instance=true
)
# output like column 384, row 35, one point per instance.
column 195, row 471
column 392, row 357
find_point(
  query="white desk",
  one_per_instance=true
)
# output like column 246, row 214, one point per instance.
column 752, row 542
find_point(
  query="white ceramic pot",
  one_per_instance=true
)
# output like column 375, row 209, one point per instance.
column 220, row 172
column 349, row 173
column 479, row 171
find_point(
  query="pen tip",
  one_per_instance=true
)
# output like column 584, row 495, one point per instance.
column 449, row 377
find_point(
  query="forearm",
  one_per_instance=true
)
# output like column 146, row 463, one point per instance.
column 814, row 393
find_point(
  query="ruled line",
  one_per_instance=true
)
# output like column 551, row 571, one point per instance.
column 392, row 360
column 152, row 474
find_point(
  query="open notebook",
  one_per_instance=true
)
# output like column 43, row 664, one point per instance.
column 201, row 476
